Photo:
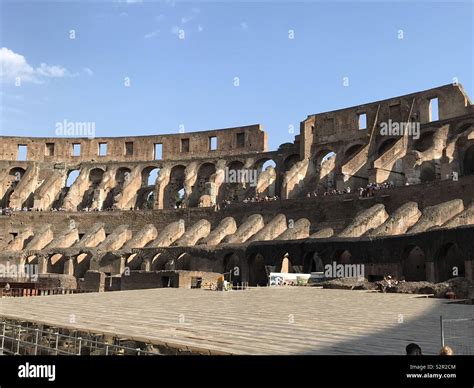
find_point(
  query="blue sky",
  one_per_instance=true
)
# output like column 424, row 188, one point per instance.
column 191, row 82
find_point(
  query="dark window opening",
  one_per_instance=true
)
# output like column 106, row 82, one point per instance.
column 241, row 140
column 49, row 150
column 128, row 148
column 184, row 145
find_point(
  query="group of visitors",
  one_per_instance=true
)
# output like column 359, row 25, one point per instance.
column 415, row 350
column 371, row 188
column 257, row 198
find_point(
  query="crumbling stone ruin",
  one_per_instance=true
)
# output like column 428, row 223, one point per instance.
column 387, row 184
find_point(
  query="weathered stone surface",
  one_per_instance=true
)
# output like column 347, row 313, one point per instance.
column 299, row 230
column 399, row 222
column 366, row 220
column 272, row 230
column 199, row 230
column 225, row 228
column 248, row 228
column 323, row 233
column 437, row 215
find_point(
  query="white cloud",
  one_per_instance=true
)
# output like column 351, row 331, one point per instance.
column 14, row 66
column 244, row 26
column 88, row 71
column 200, row 28
column 192, row 14
column 152, row 34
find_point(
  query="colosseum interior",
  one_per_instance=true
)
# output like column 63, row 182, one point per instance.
column 84, row 209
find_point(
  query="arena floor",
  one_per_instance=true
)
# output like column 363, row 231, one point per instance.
column 255, row 321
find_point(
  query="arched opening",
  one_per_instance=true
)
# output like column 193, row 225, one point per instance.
column 95, row 177
column 258, row 275
column 122, row 176
column 149, row 176
column 468, row 162
column 342, row 256
column 203, row 177
column 449, row 262
column 183, row 262
column 72, row 176
column 231, row 268
column 461, row 128
column 413, row 264
column 312, row 262
column 174, row 191
column 82, row 265
column 146, row 193
column 235, row 185
column 158, row 262
column 424, row 142
column 427, row 171
column 13, row 179
column 385, row 145
column 326, row 167
column 352, row 150
column 290, row 161
column 266, row 179
column 56, row 262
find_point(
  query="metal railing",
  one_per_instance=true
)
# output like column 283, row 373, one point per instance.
column 23, row 292
column 458, row 334
column 28, row 338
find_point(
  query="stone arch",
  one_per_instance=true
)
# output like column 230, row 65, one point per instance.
column 231, row 268
column 413, row 263
column 146, row 193
column 342, row 256
column 468, row 161
column 95, row 178
column 82, row 264
column 72, row 175
column 158, row 262
column 461, row 127
column 205, row 171
column 312, row 262
column 14, row 177
column 290, row 161
column 233, row 189
column 352, row 150
column 121, row 175
column 385, row 145
column 183, row 262
column 424, row 142
column 150, row 175
column 95, row 175
column 174, row 191
column 427, row 171
column 56, row 263
column 264, row 167
column 257, row 271
column 325, row 161
column 448, row 259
